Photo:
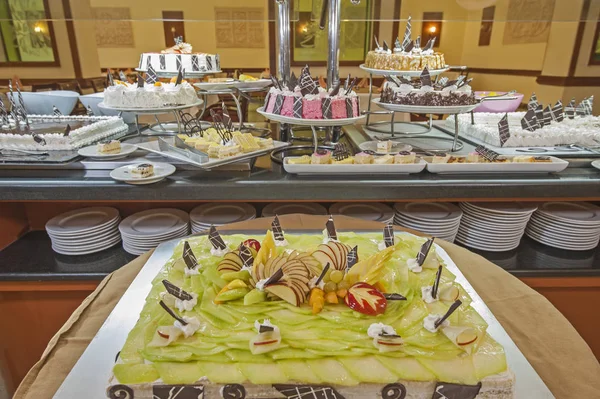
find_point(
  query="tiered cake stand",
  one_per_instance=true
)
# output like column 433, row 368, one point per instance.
column 167, row 109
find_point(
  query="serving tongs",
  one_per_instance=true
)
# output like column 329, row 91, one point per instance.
column 181, row 148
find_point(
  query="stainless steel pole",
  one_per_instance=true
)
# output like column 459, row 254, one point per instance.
column 283, row 27
column 333, row 58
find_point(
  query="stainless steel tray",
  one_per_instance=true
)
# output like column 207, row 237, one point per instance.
column 90, row 376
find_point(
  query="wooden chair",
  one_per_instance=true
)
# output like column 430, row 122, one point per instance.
column 44, row 87
column 99, row 84
column 70, row 86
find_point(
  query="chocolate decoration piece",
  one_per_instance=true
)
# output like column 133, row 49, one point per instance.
column 446, row 390
column 425, row 77
column 393, row 391
column 179, row 76
column 178, row 40
column 275, row 82
column 503, row 130
column 217, row 62
column 397, row 44
column 89, row 111
column 307, row 84
column 340, row 152
column 140, row 81
column 385, row 46
column 451, row 310
column 178, row 64
column 163, row 62
column 487, row 153
column 233, row 391
column 278, row 275
column 547, row 116
column 330, row 226
column 178, row 391
column 151, row 77
column 292, row 82
column 388, row 235
column 533, row 102
column 557, row 112
column 418, row 42
column 56, row 111
column 215, row 239
column 436, row 283
column 392, row 79
column 3, row 113
column 394, row 297
column 347, row 82
column 376, row 41
column 407, row 39
column 176, row 291
column 308, row 391
column 117, row 357
column 278, row 104
column 539, row 114
column 323, row 273
column 351, row 86
column 38, row 139
column 120, row 392
column 298, row 107
column 246, row 255
column 529, row 121
column 276, row 228
column 209, row 64
column 384, row 334
column 67, row 130
column 349, row 108
column 195, row 63
column 430, row 44
column 188, row 256
column 109, row 78
column 335, row 90
column 123, row 77
column 172, row 313
column 425, row 248
column 409, row 48
column 326, row 108
column 263, row 329
column 352, row 257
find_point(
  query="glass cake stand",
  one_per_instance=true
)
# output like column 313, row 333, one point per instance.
column 167, row 109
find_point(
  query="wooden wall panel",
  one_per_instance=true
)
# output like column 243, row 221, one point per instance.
column 13, row 222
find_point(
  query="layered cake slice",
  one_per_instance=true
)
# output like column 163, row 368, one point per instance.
column 142, row 171
column 333, row 315
column 112, row 147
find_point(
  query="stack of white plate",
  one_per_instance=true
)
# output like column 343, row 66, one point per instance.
column 278, row 208
column 437, row 219
column 84, row 231
column 566, row 225
column 493, row 226
column 204, row 216
column 145, row 230
column 375, row 211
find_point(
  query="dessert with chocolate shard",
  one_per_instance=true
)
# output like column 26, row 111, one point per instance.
column 284, row 326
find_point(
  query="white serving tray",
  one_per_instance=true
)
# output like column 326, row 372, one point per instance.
column 163, row 110
column 352, row 169
column 557, row 165
column 388, row 72
column 309, row 122
column 420, row 109
column 152, row 146
column 90, row 376
column 254, row 84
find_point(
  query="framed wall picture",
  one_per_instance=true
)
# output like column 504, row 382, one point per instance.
column 309, row 43
column 26, row 34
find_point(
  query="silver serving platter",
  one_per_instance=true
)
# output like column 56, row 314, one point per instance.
column 90, row 376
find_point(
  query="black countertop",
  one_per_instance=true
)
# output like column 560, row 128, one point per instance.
column 31, row 258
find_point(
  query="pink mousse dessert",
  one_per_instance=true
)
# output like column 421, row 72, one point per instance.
column 338, row 108
column 311, row 107
column 288, row 105
column 271, row 98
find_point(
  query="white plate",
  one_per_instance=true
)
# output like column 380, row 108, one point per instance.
column 428, row 211
column 85, row 251
column 86, row 239
column 84, row 220
column 548, row 219
column 396, row 147
column 161, row 170
column 165, row 109
column 219, row 214
column 103, row 229
column 92, row 152
column 423, row 109
column 367, row 211
column 352, row 169
column 486, row 247
column 557, row 165
column 561, row 244
column 572, row 212
column 386, row 72
column 511, row 208
column 255, row 84
column 309, row 208
column 564, row 229
column 105, row 243
column 155, row 239
column 154, row 222
column 596, row 164
column 427, row 225
column 310, row 122
column 493, row 218
column 561, row 238
column 152, row 146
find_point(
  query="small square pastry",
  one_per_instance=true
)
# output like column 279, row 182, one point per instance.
column 457, row 160
column 405, row 157
column 385, row 159
column 202, row 145
column 142, row 170
column 542, row 159
column 213, row 150
column 522, row 158
column 264, row 143
column 114, row 147
column 246, row 142
column 474, row 157
column 346, row 161
column 321, row 157
column 363, row 158
column 229, row 150
column 501, row 160
column 303, row 160
column 442, row 158
column 384, row 146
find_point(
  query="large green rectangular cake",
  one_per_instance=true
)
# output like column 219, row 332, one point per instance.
column 332, row 315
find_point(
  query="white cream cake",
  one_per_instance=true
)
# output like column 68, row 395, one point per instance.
column 49, row 132
column 124, row 95
column 583, row 130
column 170, row 60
